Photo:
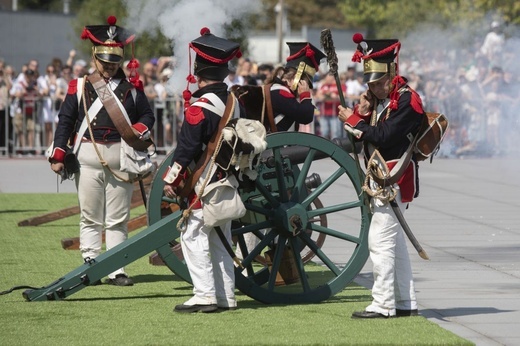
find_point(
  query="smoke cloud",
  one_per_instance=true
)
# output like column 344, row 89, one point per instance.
column 458, row 80
column 181, row 21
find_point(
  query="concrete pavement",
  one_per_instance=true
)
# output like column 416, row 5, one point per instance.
column 468, row 221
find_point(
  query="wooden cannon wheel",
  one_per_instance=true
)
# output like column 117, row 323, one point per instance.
column 291, row 222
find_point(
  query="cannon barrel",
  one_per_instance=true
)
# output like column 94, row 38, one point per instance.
column 297, row 153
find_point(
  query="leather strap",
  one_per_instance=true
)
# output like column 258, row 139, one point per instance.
column 403, row 162
column 109, row 102
column 269, row 105
column 191, row 181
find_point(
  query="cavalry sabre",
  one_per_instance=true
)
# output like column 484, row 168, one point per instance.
column 408, row 231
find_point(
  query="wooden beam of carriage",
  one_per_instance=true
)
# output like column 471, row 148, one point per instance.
column 66, row 212
column 134, row 224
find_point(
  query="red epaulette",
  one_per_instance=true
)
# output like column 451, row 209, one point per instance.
column 416, row 102
column 286, row 94
column 194, row 114
column 73, row 87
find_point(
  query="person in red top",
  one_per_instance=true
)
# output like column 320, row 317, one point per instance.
column 328, row 100
column 387, row 118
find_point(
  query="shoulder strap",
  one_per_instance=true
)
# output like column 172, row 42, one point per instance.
column 216, row 106
column 106, row 96
column 401, row 165
column 268, row 104
column 79, row 88
column 277, row 86
column 210, row 148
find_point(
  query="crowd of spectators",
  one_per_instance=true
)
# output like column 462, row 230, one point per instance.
column 475, row 88
column 29, row 103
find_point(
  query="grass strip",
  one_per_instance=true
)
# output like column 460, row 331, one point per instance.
column 142, row 314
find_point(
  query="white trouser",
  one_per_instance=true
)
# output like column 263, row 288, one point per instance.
column 104, row 200
column 393, row 281
column 210, row 265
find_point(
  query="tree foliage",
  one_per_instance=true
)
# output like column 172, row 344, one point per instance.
column 400, row 17
column 318, row 13
column 396, row 18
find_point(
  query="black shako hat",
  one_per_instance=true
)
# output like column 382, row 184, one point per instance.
column 380, row 57
column 108, row 40
column 212, row 55
column 304, row 58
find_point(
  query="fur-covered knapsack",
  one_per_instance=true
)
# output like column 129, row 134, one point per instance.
column 242, row 141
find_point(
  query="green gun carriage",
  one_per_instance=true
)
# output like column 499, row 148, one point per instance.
column 306, row 211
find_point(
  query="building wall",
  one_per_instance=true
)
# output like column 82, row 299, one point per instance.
column 35, row 35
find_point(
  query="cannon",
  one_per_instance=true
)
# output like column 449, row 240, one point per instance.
column 306, row 210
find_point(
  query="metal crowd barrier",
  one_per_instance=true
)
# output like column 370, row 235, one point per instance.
column 168, row 119
column 24, row 133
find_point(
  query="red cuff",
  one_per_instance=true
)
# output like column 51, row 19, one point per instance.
column 140, row 127
column 305, row 95
column 365, row 117
column 354, row 119
column 180, row 177
column 58, row 155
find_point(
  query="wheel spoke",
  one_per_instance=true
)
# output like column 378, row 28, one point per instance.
column 323, row 186
column 321, row 255
column 275, row 265
column 299, row 264
column 334, row 233
column 252, row 227
column 300, row 182
column 257, row 209
column 258, row 249
column 334, row 208
column 243, row 247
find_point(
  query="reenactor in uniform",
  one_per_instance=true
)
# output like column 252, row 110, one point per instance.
column 292, row 84
column 210, row 265
column 387, row 118
column 104, row 199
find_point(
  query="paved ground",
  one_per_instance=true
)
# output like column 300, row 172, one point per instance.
column 467, row 220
